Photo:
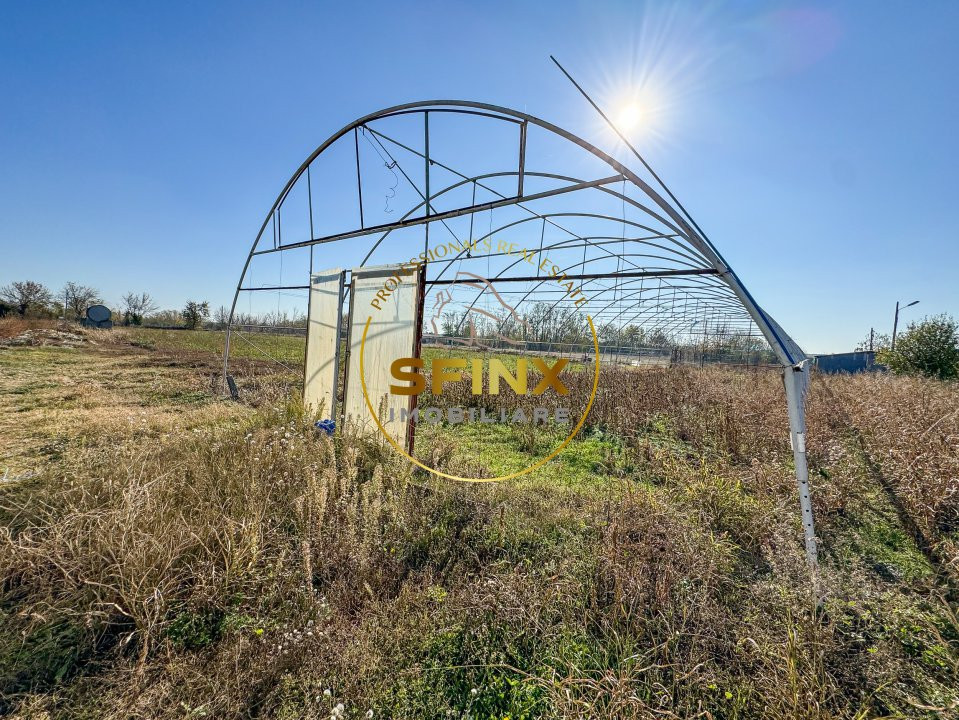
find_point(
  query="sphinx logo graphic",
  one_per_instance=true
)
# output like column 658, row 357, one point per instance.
column 472, row 313
column 489, row 365
column 447, row 370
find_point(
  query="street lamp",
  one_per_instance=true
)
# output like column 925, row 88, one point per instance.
column 895, row 323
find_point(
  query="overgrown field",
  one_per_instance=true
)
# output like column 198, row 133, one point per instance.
column 165, row 553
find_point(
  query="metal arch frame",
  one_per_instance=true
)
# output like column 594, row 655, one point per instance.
column 794, row 361
column 785, row 348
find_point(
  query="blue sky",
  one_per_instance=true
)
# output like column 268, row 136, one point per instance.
column 141, row 144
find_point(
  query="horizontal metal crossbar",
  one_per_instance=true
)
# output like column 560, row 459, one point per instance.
column 587, row 276
column 275, row 287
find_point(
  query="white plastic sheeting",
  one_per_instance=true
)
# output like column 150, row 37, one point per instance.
column 323, row 341
column 391, row 335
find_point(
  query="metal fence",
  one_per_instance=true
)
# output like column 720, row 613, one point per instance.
column 608, row 352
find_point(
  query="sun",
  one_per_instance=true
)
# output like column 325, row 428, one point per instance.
column 629, row 117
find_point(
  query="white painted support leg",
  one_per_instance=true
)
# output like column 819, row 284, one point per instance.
column 795, row 379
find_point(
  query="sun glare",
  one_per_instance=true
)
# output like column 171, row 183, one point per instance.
column 651, row 83
column 629, row 117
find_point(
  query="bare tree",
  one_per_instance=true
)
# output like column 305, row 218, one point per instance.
column 165, row 318
column 136, row 307
column 221, row 317
column 78, row 298
column 26, row 296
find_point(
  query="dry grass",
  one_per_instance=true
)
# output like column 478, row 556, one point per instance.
column 54, row 398
column 13, row 325
column 712, row 408
column 240, row 564
column 909, row 428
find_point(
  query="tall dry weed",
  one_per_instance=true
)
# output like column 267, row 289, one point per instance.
column 909, row 427
column 110, row 551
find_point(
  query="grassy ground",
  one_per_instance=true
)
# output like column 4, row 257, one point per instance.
column 53, row 398
column 174, row 555
column 288, row 349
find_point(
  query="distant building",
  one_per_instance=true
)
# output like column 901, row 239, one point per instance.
column 850, row 362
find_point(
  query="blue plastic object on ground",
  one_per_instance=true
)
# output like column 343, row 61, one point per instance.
column 327, row 426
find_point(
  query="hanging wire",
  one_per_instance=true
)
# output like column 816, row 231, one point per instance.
column 389, row 165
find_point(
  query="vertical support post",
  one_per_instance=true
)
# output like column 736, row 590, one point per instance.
column 309, row 198
column 426, row 164
column 341, row 298
column 226, row 347
column 426, row 158
column 795, row 379
column 522, row 159
column 469, row 248
column 417, row 350
column 359, row 183
column 347, row 290
column 702, row 359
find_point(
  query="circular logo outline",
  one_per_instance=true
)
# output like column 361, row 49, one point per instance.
column 538, row 464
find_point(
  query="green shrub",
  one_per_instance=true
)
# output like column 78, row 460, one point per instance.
column 929, row 348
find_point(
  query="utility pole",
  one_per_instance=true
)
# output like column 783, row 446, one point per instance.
column 895, row 326
column 872, row 334
column 895, row 322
